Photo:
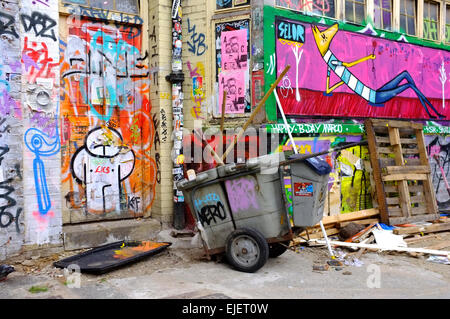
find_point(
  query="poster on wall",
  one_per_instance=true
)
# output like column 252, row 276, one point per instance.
column 232, row 67
column 341, row 73
column 234, row 84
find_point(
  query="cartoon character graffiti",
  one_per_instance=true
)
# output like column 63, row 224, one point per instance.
column 341, row 69
column 102, row 164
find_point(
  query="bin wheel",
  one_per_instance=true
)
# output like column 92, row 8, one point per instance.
column 246, row 250
column 277, row 249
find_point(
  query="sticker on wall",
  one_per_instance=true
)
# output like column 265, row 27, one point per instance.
column 303, row 189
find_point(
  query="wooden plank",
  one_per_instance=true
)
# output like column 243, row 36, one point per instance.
column 404, row 132
column 418, row 199
column 330, row 232
column 388, row 161
column 422, row 229
column 367, row 221
column 421, row 210
column 350, row 216
column 391, row 189
column 409, row 125
column 407, row 151
column 394, row 211
column 383, row 139
column 396, row 124
column 405, row 177
column 412, row 219
column 420, row 169
column 410, row 151
column 415, row 188
column 379, row 187
column 392, row 200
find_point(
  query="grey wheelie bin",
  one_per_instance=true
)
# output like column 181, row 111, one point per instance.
column 241, row 209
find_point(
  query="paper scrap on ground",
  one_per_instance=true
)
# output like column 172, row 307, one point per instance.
column 386, row 239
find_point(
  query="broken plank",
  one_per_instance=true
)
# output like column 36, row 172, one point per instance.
column 422, row 229
column 375, row 246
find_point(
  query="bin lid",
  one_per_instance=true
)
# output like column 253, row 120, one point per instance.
column 317, row 164
column 200, row 178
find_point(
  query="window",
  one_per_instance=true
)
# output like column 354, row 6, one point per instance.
column 382, row 14
column 128, row 6
column 324, row 8
column 228, row 4
column 408, row 16
column 320, row 7
column 447, row 24
column 355, row 11
column 431, row 20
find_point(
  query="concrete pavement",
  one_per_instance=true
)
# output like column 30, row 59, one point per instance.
column 184, row 273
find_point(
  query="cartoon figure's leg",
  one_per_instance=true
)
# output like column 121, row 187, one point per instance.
column 334, row 87
column 392, row 89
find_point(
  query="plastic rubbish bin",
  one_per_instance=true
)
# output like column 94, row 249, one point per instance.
column 309, row 182
column 240, row 211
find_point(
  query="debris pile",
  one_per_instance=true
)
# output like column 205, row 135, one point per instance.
column 357, row 236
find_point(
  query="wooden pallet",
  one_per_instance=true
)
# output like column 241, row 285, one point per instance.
column 401, row 171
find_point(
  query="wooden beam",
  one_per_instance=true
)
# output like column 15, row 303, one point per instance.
column 422, row 229
column 254, row 112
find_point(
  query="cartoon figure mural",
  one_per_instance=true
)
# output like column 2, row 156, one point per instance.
column 102, row 164
column 339, row 70
column 386, row 92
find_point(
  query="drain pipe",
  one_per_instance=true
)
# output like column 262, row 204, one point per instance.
column 176, row 79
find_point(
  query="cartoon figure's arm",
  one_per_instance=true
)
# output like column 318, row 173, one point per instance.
column 350, row 64
column 334, row 87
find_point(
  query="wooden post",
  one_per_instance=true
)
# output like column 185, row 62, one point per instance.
column 222, row 120
column 379, row 186
column 254, row 112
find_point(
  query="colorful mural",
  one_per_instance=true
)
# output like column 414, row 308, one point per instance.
column 343, row 71
column 107, row 170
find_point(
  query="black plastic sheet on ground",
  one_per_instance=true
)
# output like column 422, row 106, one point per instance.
column 112, row 256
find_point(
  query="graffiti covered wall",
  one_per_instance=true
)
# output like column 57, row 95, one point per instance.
column 438, row 149
column 40, row 91
column 108, row 129
column 339, row 70
column 11, row 176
